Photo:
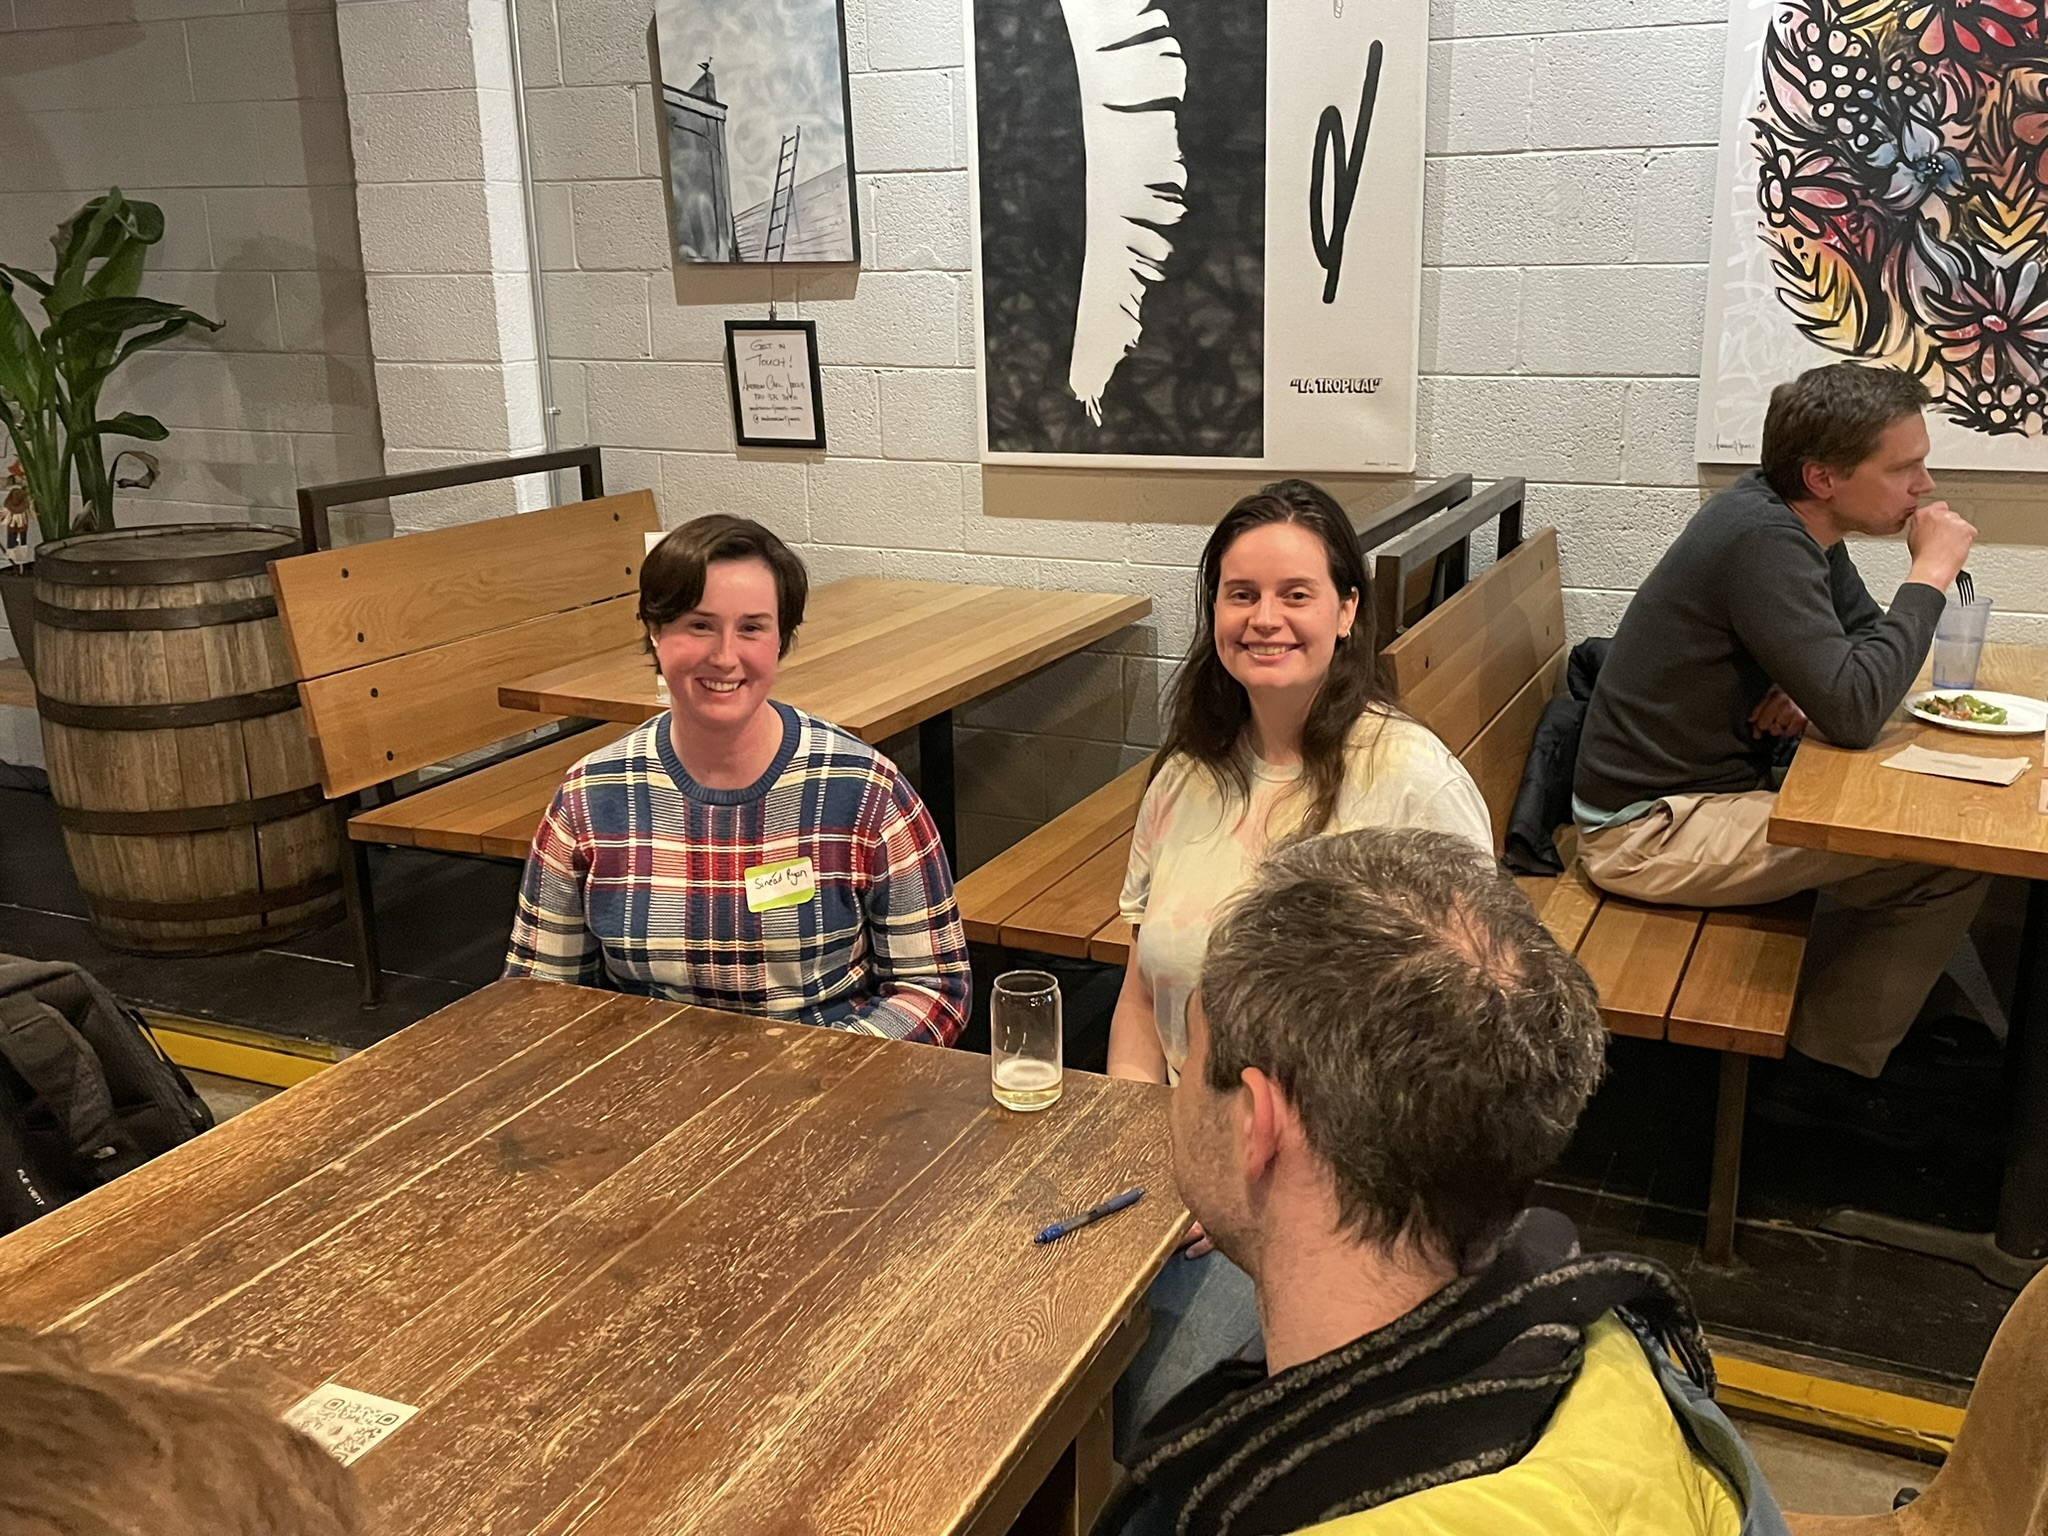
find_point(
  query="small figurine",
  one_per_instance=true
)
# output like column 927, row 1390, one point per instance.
column 14, row 531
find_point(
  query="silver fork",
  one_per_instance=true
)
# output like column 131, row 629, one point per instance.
column 1966, row 589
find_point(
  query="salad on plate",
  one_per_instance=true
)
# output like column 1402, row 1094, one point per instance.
column 1966, row 707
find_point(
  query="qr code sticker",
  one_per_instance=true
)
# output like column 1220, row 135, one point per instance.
column 347, row 1423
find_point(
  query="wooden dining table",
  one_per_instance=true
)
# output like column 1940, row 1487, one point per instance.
column 874, row 656
column 1850, row 802
column 641, row 1267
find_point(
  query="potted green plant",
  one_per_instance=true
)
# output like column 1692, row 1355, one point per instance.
column 50, row 382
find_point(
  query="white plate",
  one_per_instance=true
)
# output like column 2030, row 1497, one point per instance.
column 2023, row 716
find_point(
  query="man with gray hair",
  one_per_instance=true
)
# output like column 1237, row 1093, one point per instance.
column 1386, row 1051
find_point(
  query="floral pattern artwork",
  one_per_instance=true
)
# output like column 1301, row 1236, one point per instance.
column 1901, row 183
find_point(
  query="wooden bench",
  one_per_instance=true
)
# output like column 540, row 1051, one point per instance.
column 400, row 646
column 1477, row 671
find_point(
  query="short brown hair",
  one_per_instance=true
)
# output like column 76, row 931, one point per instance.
column 1834, row 416
column 1436, row 1042
column 86, row 1451
column 672, row 576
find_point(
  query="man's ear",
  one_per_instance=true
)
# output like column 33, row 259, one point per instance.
column 1819, row 478
column 1263, row 1117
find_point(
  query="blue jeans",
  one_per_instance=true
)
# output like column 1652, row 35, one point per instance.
column 1203, row 1312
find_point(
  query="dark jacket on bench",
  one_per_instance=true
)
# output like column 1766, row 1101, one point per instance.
column 1744, row 598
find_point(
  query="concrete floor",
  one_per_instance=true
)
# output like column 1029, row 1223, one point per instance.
column 1813, row 1476
column 228, row 1096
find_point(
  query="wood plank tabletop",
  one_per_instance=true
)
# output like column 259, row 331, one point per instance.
column 874, row 656
column 1849, row 802
column 641, row 1268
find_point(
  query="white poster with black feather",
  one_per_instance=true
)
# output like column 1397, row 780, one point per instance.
column 1198, row 231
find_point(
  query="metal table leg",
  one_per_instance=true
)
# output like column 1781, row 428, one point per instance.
column 935, row 777
column 1721, row 1198
column 2023, row 1198
column 2012, row 1254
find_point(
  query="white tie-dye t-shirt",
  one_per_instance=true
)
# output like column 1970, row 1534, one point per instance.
column 1196, row 846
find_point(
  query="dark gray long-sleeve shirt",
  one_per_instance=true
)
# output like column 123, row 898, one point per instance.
column 1745, row 597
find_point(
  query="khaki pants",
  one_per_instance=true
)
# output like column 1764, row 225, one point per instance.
column 1872, row 957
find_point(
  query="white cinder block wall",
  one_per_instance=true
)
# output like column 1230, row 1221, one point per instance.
column 1568, row 189
column 432, row 117
column 1570, row 175
column 229, row 114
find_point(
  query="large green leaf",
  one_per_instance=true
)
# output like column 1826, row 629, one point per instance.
column 108, row 318
column 50, row 383
column 11, row 275
column 129, row 424
column 159, row 336
column 120, row 275
column 146, row 220
column 25, row 372
column 90, row 234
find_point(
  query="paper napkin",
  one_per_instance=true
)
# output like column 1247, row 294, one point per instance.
column 1960, row 765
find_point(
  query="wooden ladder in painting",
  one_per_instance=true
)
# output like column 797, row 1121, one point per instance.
column 777, row 239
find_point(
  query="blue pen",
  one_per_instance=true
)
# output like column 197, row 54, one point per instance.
column 1060, row 1229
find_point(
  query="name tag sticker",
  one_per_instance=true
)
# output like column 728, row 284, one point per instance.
column 770, row 886
column 347, row 1422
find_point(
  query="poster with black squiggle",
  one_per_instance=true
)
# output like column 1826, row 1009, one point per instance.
column 1883, row 198
column 1198, row 230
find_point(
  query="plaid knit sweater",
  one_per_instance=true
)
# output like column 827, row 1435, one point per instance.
column 637, row 881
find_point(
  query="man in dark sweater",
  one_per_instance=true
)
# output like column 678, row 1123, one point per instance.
column 1756, row 626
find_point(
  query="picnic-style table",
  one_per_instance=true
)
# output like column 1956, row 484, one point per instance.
column 1849, row 802
column 642, row 1267
column 874, row 656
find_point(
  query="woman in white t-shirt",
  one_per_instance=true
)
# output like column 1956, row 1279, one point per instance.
column 1279, row 729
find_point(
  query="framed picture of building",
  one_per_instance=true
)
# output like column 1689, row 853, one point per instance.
column 758, row 130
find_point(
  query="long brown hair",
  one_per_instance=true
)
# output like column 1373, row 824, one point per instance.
column 1209, row 709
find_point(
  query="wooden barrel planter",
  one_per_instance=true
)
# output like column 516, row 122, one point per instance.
column 177, row 754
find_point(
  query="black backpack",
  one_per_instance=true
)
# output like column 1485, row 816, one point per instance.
column 85, row 1091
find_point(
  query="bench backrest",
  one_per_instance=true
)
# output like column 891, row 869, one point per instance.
column 1477, row 671
column 399, row 646
column 1427, row 563
column 1376, row 528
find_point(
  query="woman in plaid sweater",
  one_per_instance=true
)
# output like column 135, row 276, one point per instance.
column 735, row 852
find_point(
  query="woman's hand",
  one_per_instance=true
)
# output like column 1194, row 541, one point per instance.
column 1197, row 1242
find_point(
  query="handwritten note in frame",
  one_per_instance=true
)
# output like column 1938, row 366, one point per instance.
column 771, row 367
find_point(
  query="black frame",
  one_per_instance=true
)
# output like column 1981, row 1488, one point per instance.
column 809, row 328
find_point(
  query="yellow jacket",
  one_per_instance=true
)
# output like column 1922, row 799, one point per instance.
column 1612, row 1462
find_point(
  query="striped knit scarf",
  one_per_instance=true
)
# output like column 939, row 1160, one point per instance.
column 1461, row 1386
